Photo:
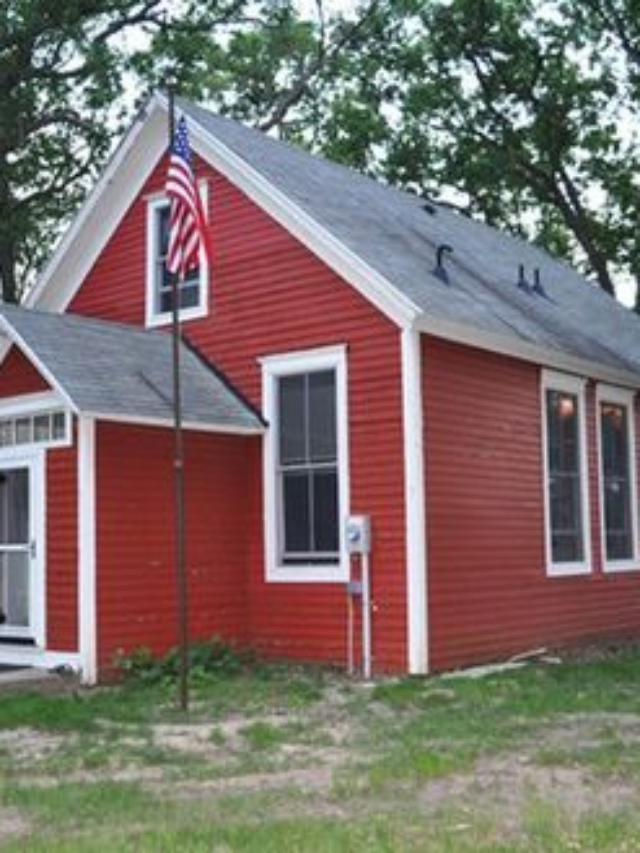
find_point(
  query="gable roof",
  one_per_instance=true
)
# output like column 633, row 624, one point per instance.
column 118, row 372
column 383, row 241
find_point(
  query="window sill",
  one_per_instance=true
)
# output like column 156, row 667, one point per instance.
column 621, row 567
column 308, row 574
column 568, row 570
column 195, row 313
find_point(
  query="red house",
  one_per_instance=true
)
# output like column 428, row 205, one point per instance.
column 353, row 350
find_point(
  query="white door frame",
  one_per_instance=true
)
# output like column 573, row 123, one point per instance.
column 33, row 460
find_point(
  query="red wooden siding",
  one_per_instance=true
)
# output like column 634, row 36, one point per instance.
column 269, row 295
column 489, row 595
column 19, row 376
column 62, row 550
column 135, row 540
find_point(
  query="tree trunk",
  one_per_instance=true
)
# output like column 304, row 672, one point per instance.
column 8, row 271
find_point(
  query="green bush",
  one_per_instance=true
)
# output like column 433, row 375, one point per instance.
column 207, row 658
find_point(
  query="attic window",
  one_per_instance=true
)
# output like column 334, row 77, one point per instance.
column 193, row 290
column 41, row 428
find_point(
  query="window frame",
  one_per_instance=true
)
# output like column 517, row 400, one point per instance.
column 275, row 367
column 552, row 381
column 154, row 318
column 625, row 398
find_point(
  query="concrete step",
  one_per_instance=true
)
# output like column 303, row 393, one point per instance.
column 14, row 679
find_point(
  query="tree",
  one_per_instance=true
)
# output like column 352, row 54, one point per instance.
column 511, row 109
column 61, row 72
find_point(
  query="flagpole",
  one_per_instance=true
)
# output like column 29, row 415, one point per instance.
column 178, row 475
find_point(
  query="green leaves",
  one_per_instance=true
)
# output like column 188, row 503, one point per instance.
column 524, row 113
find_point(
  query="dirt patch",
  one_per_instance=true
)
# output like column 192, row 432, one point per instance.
column 12, row 824
column 304, row 780
column 30, row 744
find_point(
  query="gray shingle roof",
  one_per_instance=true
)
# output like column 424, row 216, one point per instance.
column 393, row 233
column 116, row 370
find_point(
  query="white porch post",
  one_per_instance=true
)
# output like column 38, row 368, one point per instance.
column 415, row 509
column 87, row 625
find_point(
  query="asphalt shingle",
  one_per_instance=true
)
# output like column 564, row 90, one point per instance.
column 396, row 235
column 117, row 370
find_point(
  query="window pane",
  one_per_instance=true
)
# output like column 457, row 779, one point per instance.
column 6, row 433
column 295, row 497
column 616, row 481
column 322, row 416
column 565, row 487
column 14, row 506
column 23, row 431
column 189, row 289
column 59, row 425
column 325, row 511
column 42, row 428
column 14, row 589
column 163, row 230
column 292, row 419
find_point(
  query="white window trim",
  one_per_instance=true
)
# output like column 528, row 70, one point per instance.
column 552, row 381
column 273, row 367
column 152, row 318
column 29, row 405
column 626, row 398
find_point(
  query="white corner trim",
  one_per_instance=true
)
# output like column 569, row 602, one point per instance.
column 273, row 367
column 87, row 603
column 415, row 503
column 552, row 380
column 626, row 398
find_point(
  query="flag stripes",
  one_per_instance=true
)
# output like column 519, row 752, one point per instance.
column 187, row 223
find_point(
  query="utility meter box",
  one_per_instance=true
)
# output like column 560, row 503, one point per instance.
column 358, row 534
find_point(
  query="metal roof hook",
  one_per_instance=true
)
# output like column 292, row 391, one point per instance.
column 440, row 270
column 523, row 284
column 538, row 288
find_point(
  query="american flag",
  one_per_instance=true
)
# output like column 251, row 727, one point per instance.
column 187, row 223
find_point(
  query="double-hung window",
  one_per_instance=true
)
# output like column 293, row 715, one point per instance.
column 618, row 501
column 193, row 290
column 566, row 475
column 305, row 465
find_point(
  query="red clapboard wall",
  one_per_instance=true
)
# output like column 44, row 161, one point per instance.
column 62, row 549
column 19, row 376
column 269, row 294
column 136, row 587
column 489, row 595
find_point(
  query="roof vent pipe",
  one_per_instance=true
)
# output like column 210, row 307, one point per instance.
column 537, row 288
column 439, row 270
column 523, row 284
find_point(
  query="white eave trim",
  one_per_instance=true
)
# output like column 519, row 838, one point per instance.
column 542, row 356
column 168, row 423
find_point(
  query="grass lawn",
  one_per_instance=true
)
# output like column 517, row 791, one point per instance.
column 287, row 759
